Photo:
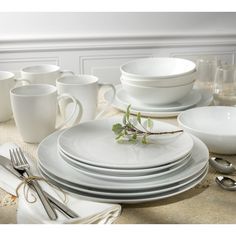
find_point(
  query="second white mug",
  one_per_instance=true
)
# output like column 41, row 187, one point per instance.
column 85, row 89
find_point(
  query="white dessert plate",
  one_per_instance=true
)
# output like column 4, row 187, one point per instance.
column 188, row 101
column 127, row 195
column 206, row 99
column 94, row 143
column 120, row 178
column 51, row 161
column 214, row 125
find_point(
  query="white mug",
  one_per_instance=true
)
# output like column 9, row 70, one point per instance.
column 7, row 82
column 35, row 109
column 85, row 89
column 42, row 74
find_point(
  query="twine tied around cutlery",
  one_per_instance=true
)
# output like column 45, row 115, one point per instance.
column 27, row 181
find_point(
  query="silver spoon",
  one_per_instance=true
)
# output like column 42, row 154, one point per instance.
column 221, row 165
column 226, row 183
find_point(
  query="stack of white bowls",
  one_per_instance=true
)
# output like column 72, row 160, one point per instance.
column 158, row 81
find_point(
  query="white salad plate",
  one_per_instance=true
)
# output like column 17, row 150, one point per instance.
column 124, row 172
column 206, row 99
column 124, row 196
column 188, row 101
column 101, row 175
column 51, row 161
column 94, row 143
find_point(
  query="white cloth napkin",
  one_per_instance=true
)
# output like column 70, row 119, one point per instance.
column 34, row 213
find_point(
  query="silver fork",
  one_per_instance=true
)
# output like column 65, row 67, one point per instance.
column 19, row 162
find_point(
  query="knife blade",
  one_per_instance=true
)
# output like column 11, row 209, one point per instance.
column 6, row 163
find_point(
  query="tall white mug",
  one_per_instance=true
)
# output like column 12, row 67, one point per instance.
column 85, row 89
column 42, row 74
column 35, row 109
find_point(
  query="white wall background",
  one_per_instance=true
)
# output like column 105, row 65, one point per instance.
column 34, row 25
column 98, row 43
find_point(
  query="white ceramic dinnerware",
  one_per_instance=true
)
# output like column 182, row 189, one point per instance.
column 156, row 95
column 214, row 125
column 131, row 197
column 85, row 89
column 122, row 100
column 64, row 175
column 85, row 168
column 7, row 82
column 160, row 68
column 35, row 108
column 224, row 88
column 190, row 100
column 161, row 82
column 117, row 172
column 42, row 74
column 158, row 81
column 160, row 151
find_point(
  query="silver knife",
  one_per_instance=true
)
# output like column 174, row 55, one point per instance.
column 6, row 163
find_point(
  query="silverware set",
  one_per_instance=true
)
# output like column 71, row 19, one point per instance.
column 224, row 167
column 19, row 167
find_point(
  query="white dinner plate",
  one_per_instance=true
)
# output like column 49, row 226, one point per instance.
column 132, row 197
column 113, row 194
column 124, row 172
column 51, row 161
column 94, row 143
column 188, row 101
column 121, row 178
column 206, row 99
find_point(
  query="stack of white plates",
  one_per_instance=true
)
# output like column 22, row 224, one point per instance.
column 87, row 160
column 195, row 98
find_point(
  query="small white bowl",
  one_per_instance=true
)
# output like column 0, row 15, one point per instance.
column 156, row 95
column 214, row 125
column 175, row 81
column 159, row 67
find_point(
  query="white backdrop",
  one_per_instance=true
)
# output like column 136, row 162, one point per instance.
column 33, row 25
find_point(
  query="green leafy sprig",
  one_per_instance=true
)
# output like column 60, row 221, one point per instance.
column 134, row 128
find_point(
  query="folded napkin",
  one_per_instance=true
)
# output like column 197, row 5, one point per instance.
column 89, row 212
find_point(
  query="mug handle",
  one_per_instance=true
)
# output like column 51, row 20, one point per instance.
column 76, row 104
column 109, row 102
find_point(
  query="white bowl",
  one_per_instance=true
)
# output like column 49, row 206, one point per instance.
column 156, row 95
column 214, row 125
column 175, row 81
column 160, row 67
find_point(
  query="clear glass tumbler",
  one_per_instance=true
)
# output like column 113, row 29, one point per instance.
column 224, row 89
column 206, row 69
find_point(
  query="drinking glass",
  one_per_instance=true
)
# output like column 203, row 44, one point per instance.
column 206, row 69
column 224, row 90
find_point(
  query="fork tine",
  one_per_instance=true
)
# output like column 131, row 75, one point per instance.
column 19, row 157
column 12, row 158
column 23, row 157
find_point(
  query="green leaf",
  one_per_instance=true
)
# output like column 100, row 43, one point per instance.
column 117, row 128
column 124, row 120
column 121, row 135
column 134, row 137
column 139, row 117
column 128, row 112
column 149, row 123
column 144, row 139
